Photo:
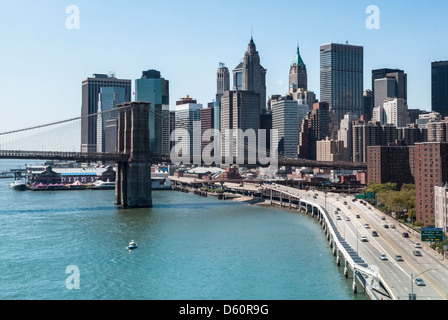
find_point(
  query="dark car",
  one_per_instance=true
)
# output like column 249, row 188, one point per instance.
column 405, row 234
column 374, row 233
column 417, row 253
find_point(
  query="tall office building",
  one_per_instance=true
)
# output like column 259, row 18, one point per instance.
column 389, row 83
column 285, row 120
column 239, row 110
column 108, row 99
column 298, row 78
column 91, row 89
column 345, row 134
column 318, row 127
column 207, row 117
column 341, row 78
column 439, row 87
column 222, row 81
column 368, row 103
column 151, row 87
column 396, row 112
column 188, row 117
column 249, row 75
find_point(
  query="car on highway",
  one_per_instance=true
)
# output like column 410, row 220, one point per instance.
column 358, row 217
column 405, row 235
column 338, row 218
column 364, row 239
column 338, row 209
column 374, row 233
column 416, row 253
column 417, row 245
column 386, row 226
column 366, row 225
column 336, row 212
column 392, row 226
column 345, row 202
column 347, row 218
column 398, row 257
column 383, row 257
column 383, row 218
column 419, row 282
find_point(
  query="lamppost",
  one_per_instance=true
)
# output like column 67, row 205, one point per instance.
column 411, row 296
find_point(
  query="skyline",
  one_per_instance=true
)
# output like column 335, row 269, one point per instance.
column 187, row 41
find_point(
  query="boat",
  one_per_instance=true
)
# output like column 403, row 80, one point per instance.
column 103, row 185
column 132, row 245
column 18, row 183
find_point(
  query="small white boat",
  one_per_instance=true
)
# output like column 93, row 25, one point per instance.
column 104, row 185
column 132, row 245
column 18, row 183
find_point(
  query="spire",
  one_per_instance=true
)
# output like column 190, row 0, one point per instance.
column 298, row 59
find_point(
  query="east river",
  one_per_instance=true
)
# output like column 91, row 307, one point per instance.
column 72, row 245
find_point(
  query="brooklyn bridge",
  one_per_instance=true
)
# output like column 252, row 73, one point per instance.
column 133, row 158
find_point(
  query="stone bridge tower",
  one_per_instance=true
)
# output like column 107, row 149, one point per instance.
column 133, row 178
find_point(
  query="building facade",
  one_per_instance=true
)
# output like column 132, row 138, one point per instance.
column 108, row 100
column 151, row 87
column 285, row 120
column 389, row 164
column 91, row 89
column 430, row 169
column 187, row 127
column 341, row 78
column 441, row 207
column 439, row 87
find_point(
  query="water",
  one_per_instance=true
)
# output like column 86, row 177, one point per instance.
column 189, row 248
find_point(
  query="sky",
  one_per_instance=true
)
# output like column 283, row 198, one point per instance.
column 43, row 62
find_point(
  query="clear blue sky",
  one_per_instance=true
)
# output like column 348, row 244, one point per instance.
column 42, row 62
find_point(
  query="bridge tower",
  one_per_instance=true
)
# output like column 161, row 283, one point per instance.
column 133, row 178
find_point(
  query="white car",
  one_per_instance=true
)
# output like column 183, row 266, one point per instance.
column 364, row 239
column 417, row 245
column 367, row 226
column 383, row 257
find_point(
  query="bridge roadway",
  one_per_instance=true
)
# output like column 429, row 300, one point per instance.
column 124, row 157
column 395, row 275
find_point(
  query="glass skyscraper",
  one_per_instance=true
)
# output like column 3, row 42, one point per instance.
column 439, row 87
column 341, row 78
column 151, row 87
column 108, row 99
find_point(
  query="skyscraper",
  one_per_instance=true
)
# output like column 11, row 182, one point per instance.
column 222, row 81
column 188, row 117
column 298, row 78
column 91, row 88
column 109, row 98
column 285, row 120
column 341, row 78
column 389, row 83
column 439, row 87
column 249, row 75
column 239, row 110
column 151, row 87
column 318, row 127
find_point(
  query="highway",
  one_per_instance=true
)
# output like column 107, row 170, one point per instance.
column 399, row 275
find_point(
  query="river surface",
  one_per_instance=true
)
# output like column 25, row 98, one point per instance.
column 63, row 245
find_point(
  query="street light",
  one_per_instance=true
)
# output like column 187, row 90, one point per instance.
column 412, row 282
